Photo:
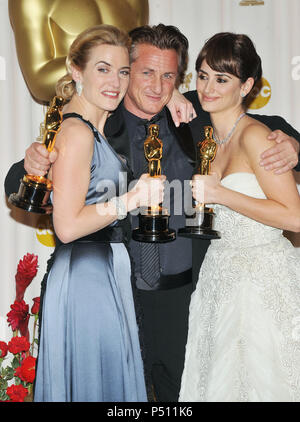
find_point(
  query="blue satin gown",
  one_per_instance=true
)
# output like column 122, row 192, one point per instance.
column 89, row 346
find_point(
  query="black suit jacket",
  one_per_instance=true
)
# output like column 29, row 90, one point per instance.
column 117, row 135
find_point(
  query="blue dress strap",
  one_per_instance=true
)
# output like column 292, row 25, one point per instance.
column 95, row 131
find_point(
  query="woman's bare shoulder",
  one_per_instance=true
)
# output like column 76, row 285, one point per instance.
column 254, row 135
column 74, row 131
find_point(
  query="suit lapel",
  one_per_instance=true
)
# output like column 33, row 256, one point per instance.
column 187, row 135
column 117, row 135
column 184, row 137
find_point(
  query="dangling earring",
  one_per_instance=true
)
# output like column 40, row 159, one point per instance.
column 78, row 87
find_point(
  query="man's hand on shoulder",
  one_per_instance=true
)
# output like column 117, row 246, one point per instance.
column 283, row 156
column 181, row 109
column 38, row 160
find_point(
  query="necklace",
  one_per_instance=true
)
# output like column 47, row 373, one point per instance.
column 223, row 141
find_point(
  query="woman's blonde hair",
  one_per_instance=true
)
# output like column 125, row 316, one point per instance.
column 79, row 53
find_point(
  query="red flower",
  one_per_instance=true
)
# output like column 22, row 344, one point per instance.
column 17, row 393
column 18, row 345
column 3, row 349
column 18, row 317
column 26, row 372
column 18, row 372
column 36, row 306
column 26, row 271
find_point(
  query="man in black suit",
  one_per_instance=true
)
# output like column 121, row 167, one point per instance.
column 159, row 57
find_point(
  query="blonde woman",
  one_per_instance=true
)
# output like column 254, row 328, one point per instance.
column 89, row 347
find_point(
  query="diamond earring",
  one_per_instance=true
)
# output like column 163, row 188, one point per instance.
column 243, row 94
column 78, row 87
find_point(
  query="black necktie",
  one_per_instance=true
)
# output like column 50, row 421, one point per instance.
column 149, row 262
column 149, row 252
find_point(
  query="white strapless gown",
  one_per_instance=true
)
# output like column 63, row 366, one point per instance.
column 244, row 324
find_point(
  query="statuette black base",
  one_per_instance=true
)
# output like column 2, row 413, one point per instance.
column 32, row 196
column 199, row 226
column 154, row 229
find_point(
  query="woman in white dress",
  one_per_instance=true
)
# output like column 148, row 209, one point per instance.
column 244, row 325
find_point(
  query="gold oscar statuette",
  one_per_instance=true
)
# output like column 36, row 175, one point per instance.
column 34, row 191
column 199, row 224
column 154, row 221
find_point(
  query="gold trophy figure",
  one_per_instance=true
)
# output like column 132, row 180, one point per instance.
column 199, row 225
column 154, row 221
column 206, row 151
column 34, row 191
column 153, row 151
column 52, row 123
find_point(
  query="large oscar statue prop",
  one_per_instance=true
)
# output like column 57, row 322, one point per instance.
column 154, row 221
column 34, row 191
column 199, row 224
column 45, row 29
